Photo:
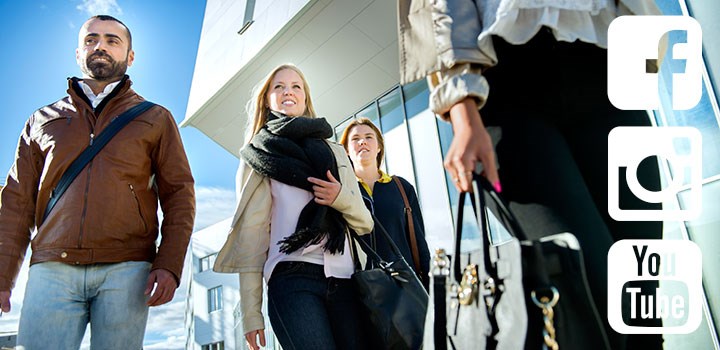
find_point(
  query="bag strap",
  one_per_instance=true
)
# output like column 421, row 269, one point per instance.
column 439, row 273
column 96, row 144
column 411, row 227
column 372, row 253
column 534, row 271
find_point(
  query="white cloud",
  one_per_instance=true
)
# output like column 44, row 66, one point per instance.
column 166, row 324
column 213, row 205
column 9, row 321
column 100, row 7
column 171, row 343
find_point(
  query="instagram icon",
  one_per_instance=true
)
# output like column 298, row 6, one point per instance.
column 681, row 147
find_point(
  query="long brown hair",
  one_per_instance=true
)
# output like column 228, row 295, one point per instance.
column 257, row 107
column 365, row 121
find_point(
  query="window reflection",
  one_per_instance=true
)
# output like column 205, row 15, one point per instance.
column 398, row 157
column 431, row 186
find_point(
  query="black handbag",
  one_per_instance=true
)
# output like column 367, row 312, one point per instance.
column 393, row 296
column 516, row 294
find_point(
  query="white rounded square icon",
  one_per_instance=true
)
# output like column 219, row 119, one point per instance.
column 676, row 265
column 632, row 40
column 681, row 147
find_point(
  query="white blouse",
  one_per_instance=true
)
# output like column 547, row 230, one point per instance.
column 287, row 203
column 517, row 21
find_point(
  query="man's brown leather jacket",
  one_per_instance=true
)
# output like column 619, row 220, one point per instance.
column 109, row 212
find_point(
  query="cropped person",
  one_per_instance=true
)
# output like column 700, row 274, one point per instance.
column 365, row 145
column 94, row 257
column 538, row 70
column 297, row 199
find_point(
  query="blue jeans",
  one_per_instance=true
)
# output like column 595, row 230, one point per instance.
column 61, row 299
column 310, row 311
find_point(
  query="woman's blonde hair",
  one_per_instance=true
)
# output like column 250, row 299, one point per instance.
column 258, row 107
column 365, row 121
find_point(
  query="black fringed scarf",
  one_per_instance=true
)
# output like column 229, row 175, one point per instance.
column 289, row 150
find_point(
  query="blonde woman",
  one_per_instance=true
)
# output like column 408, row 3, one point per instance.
column 297, row 197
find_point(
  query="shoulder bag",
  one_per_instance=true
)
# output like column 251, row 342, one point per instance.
column 393, row 296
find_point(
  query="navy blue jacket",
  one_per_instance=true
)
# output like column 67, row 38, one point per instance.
column 387, row 205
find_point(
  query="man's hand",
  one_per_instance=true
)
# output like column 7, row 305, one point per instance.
column 5, row 300
column 471, row 144
column 165, row 286
column 251, row 339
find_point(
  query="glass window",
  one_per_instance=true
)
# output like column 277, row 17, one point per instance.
column 206, row 263
column 416, row 98
column 398, row 156
column 214, row 346
column 341, row 127
column 706, row 12
column 703, row 116
column 427, row 155
column 215, row 299
column 704, row 232
column 249, row 13
column 371, row 113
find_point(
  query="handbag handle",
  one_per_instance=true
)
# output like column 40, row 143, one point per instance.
column 534, row 270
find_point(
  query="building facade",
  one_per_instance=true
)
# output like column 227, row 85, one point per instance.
column 212, row 315
column 348, row 51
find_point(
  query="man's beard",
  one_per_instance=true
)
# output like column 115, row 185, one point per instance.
column 103, row 70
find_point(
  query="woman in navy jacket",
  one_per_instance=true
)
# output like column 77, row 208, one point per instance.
column 382, row 192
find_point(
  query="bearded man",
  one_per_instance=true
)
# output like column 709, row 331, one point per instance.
column 94, row 256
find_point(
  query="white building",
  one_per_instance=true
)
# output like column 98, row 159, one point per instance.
column 348, row 51
column 212, row 316
column 212, row 297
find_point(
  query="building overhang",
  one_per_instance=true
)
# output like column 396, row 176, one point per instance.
column 346, row 49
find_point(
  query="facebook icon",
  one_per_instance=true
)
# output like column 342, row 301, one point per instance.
column 632, row 41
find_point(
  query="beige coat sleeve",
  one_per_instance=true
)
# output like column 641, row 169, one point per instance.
column 246, row 248
column 349, row 202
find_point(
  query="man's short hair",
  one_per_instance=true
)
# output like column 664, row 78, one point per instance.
column 111, row 18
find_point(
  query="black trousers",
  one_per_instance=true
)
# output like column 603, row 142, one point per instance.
column 550, row 117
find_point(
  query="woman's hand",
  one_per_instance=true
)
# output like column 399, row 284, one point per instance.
column 251, row 339
column 471, row 144
column 325, row 191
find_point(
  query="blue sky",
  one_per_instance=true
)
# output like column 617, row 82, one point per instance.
column 39, row 40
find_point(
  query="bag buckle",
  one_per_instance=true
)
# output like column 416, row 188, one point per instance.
column 468, row 289
column 441, row 263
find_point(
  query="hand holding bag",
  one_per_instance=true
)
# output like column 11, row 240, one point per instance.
column 393, row 296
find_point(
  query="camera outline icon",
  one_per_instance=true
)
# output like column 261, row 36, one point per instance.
column 687, row 268
column 628, row 146
column 632, row 40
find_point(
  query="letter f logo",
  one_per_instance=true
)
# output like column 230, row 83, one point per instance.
column 632, row 40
